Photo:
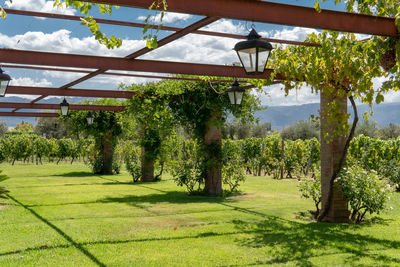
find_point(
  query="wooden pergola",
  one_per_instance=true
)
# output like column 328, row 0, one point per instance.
column 250, row 10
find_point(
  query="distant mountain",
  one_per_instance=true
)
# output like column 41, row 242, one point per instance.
column 283, row 116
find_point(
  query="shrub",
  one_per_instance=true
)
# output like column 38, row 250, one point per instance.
column 366, row 192
column 311, row 188
column 96, row 163
column 189, row 175
column 188, row 170
column 233, row 165
column 132, row 160
column 391, row 170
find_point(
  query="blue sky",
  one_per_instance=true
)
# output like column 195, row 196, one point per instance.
column 31, row 33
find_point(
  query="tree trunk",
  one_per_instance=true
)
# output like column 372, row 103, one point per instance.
column 331, row 152
column 147, row 166
column 158, row 176
column 107, row 153
column 213, row 148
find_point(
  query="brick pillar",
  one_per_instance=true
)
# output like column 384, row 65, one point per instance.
column 331, row 151
column 212, row 143
column 147, row 166
column 107, row 153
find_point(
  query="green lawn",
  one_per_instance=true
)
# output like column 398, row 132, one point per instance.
column 65, row 216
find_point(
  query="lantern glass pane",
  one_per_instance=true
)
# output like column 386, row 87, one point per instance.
column 248, row 58
column 90, row 120
column 262, row 59
column 239, row 97
column 232, row 97
column 3, row 87
column 64, row 110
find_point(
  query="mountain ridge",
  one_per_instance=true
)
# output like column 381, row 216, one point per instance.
column 283, row 116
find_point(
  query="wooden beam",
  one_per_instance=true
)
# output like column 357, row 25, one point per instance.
column 57, row 106
column 115, row 63
column 277, row 13
column 142, row 25
column 111, row 73
column 26, row 90
column 145, row 50
column 28, row 114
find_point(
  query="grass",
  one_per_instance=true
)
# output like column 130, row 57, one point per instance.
column 62, row 215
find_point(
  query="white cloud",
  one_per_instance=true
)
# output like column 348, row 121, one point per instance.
column 39, row 5
column 225, row 25
column 197, row 49
column 276, row 96
column 27, row 81
column 63, row 75
column 293, row 34
column 169, row 17
column 115, row 81
column 62, row 41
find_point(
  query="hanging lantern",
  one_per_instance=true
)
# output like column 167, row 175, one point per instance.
column 253, row 53
column 90, row 118
column 235, row 93
column 4, row 81
column 64, row 106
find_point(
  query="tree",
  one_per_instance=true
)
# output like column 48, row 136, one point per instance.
column 367, row 128
column 301, row 130
column 341, row 68
column 23, row 127
column 202, row 109
column 261, row 130
column 105, row 130
column 52, row 128
column 389, row 132
column 242, row 130
column 152, row 123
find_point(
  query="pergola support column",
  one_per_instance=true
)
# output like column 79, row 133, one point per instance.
column 213, row 146
column 331, row 151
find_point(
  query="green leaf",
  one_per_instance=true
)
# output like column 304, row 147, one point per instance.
column 397, row 22
column 317, row 7
column 379, row 98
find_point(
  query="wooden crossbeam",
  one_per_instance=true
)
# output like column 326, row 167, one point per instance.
column 277, row 13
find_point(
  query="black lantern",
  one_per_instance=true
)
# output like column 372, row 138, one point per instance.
column 90, row 118
column 253, row 53
column 4, row 80
column 235, row 93
column 64, row 106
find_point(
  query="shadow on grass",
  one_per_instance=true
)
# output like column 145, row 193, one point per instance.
column 75, row 174
column 60, row 232
column 140, row 201
column 115, row 242
column 291, row 241
column 164, row 197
